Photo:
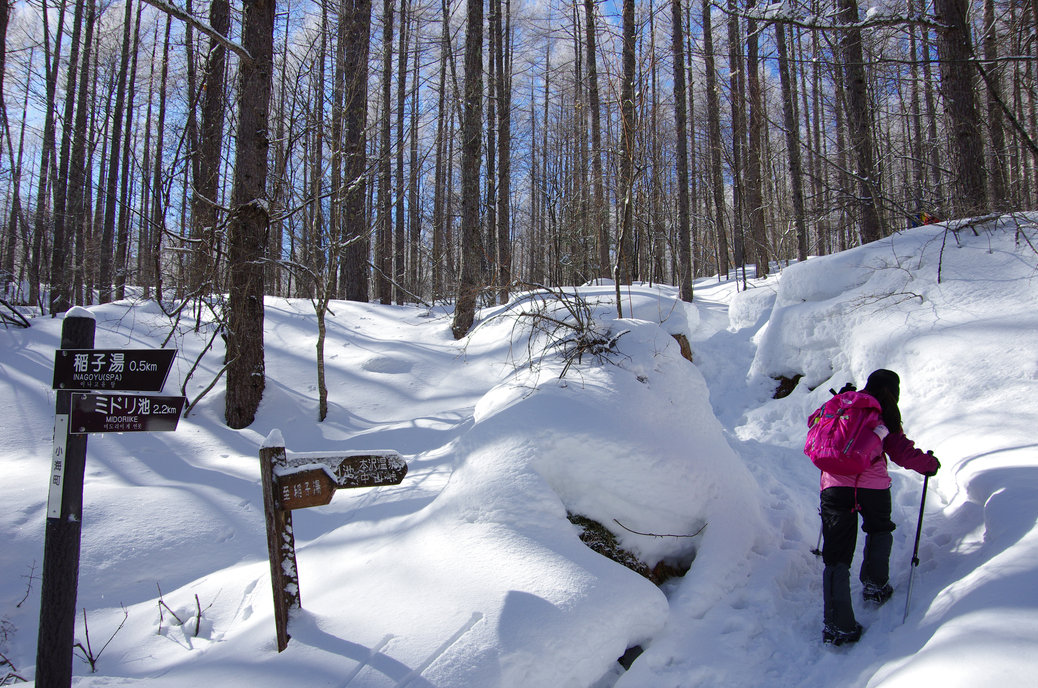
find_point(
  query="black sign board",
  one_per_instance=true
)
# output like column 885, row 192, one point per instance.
column 137, row 370
column 124, row 413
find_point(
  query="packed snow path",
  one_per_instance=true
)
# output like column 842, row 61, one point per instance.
column 764, row 629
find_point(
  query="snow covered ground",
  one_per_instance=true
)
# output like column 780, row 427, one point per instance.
column 469, row 574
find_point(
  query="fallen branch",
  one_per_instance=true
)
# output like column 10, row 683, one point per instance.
column 18, row 319
column 658, row 534
column 10, row 675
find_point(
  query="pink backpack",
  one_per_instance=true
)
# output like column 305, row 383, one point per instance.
column 840, row 437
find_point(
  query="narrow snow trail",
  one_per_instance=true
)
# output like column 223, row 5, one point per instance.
column 764, row 627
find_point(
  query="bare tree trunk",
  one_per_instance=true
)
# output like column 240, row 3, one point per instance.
column 439, row 246
column 151, row 249
column 104, row 280
column 400, row 233
column 599, row 213
column 684, row 275
column 955, row 50
column 489, row 257
column 414, row 222
column 469, row 282
column 735, row 68
column 503, row 57
column 250, row 218
column 693, row 166
column 624, row 267
column 76, row 207
column 997, row 157
column 355, row 111
column 916, row 122
column 123, row 222
column 16, row 221
column 859, row 123
column 754, row 181
column 713, row 116
column 933, row 148
column 792, row 126
column 384, row 233
column 47, row 162
column 59, row 268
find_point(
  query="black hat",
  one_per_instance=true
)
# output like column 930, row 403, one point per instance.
column 883, row 380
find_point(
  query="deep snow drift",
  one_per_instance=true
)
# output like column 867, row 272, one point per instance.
column 469, row 573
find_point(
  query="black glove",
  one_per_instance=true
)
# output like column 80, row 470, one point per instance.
column 937, row 466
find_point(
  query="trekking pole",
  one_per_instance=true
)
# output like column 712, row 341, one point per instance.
column 817, row 551
column 915, row 551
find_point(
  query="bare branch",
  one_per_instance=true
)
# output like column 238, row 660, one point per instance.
column 202, row 26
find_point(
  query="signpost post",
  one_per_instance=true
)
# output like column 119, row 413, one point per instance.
column 304, row 480
column 61, row 545
column 79, row 367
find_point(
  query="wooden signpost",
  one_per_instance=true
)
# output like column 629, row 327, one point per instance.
column 79, row 367
column 304, row 480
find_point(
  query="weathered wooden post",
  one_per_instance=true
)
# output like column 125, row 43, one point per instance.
column 304, row 480
column 62, row 538
column 79, row 366
column 281, row 544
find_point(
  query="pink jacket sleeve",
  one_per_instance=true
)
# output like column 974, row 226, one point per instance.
column 904, row 453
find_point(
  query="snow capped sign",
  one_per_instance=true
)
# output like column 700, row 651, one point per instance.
column 365, row 468
column 304, row 479
column 137, row 370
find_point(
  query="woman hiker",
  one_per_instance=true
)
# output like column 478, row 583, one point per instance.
column 868, row 493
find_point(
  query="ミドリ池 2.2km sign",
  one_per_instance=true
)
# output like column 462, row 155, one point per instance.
column 124, row 413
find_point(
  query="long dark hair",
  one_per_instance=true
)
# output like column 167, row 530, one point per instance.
column 885, row 386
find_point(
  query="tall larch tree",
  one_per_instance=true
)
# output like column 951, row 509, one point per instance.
column 684, row 275
column 250, row 218
column 859, row 122
column 955, row 52
column 471, row 137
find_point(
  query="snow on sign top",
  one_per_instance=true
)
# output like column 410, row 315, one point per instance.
column 348, row 468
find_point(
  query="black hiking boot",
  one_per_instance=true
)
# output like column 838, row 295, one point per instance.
column 876, row 595
column 835, row 637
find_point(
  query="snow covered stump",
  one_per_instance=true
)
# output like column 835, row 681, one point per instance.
column 302, row 480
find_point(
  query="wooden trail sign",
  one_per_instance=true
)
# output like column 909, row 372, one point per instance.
column 304, row 480
column 133, row 370
column 124, row 413
column 78, row 366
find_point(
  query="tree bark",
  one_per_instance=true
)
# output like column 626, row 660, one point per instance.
column 471, row 132
column 624, row 267
column 859, row 123
column 250, row 218
column 384, row 231
column 713, row 117
column 503, row 57
column 754, row 180
column 599, row 211
column 792, row 126
column 997, row 161
column 684, row 275
column 59, row 267
column 955, row 51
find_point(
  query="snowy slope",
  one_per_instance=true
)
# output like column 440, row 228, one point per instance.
column 470, row 574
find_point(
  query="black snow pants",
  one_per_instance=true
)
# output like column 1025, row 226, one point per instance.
column 840, row 507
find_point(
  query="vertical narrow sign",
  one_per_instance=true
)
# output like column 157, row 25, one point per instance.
column 57, row 469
